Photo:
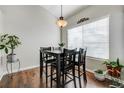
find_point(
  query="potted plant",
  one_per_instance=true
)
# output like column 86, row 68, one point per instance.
column 114, row 67
column 8, row 43
column 61, row 45
column 99, row 75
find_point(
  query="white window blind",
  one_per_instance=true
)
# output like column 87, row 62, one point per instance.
column 94, row 36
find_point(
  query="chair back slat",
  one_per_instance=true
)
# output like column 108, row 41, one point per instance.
column 68, row 57
column 82, row 55
column 44, row 56
column 45, row 48
column 56, row 48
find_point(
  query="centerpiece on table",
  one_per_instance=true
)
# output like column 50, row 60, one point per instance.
column 61, row 45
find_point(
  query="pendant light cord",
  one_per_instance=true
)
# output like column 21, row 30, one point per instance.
column 61, row 10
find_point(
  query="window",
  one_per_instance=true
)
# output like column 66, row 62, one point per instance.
column 94, row 36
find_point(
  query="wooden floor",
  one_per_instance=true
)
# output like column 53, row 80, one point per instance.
column 31, row 79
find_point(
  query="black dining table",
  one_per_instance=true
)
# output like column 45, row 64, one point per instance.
column 55, row 53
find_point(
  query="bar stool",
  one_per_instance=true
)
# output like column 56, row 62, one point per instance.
column 67, row 67
column 81, row 62
column 47, row 60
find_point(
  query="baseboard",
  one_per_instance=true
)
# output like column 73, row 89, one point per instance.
column 89, row 70
column 27, row 68
column 21, row 69
column 31, row 67
column 1, row 76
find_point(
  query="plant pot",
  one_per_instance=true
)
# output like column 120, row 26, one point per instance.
column 11, row 58
column 100, row 77
column 115, row 72
column 61, row 48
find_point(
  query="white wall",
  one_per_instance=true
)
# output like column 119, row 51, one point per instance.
column 116, row 30
column 1, row 31
column 35, row 26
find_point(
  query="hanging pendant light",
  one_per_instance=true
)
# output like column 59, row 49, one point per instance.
column 61, row 22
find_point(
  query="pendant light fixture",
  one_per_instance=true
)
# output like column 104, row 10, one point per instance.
column 61, row 22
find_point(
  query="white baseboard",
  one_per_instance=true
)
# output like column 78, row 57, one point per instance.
column 31, row 67
column 1, row 76
column 89, row 70
column 21, row 69
column 27, row 68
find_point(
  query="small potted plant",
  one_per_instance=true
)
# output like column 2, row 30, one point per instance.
column 114, row 67
column 8, row 43
column 61, row 45
column 99, row 74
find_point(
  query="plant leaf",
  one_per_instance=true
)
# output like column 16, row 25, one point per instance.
column 2, row 46
column 6, row 50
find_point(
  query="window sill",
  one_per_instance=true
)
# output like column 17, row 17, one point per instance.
column 97, row 59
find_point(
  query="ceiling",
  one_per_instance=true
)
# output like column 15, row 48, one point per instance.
column 68, row 10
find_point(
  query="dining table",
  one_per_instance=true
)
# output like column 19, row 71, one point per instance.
column 57, row 54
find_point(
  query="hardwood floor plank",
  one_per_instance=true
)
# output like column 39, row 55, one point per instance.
column 31, row 79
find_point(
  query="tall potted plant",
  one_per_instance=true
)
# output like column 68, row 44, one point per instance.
column 114, row 67
column 8, row 43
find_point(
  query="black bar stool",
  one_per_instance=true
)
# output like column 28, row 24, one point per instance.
column 81, row 62
column 67, row 67
column 47, row 60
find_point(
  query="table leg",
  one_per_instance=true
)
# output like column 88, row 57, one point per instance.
column 41, row 65
column 58, row 71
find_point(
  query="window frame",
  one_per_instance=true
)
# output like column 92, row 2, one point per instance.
column 88, row 22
